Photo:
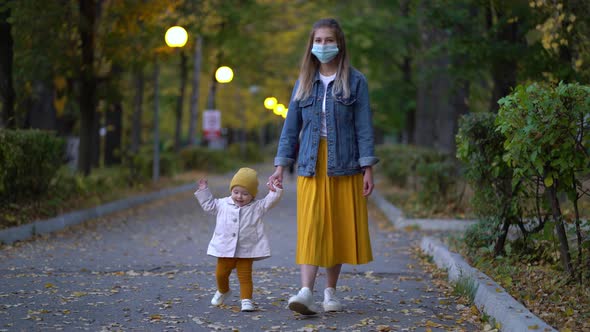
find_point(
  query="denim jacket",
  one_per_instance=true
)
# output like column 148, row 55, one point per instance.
column 349, row 126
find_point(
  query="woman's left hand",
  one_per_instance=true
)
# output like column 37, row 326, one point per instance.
column 368, row 184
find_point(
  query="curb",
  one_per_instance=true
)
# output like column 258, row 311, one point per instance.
column 490, row 298
column 396, row 217
column 19, row 233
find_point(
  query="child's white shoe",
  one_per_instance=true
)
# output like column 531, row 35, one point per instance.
column 302, row 302
column 331, row 302
column 218, row 298
column 247, row 305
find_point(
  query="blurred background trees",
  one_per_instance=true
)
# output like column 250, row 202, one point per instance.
column 77, row 66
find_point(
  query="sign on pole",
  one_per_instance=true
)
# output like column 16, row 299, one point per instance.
column 211, row 124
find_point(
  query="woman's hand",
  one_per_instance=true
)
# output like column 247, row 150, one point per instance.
column 368, row 184
column 276, row 179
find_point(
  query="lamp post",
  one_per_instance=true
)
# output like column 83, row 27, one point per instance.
column 175, row 36
column 212, row 117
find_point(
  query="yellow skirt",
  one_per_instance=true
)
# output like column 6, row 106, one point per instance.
column 332, row 218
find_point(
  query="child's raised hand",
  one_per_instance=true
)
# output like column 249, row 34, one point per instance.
column 202, row 183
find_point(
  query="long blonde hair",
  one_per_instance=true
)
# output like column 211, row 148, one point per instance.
column 310, row 64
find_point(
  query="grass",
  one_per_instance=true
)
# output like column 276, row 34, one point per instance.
column 70, row 193
column 466, row 287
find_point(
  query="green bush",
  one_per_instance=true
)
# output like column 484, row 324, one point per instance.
column 495, row 201
column 206, row 159
column 398, row 162
column 140, row 165
column 28, row 161
column 252, row 152
column 432, row 173
column 436, row 180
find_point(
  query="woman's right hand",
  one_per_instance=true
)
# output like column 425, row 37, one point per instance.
column 276, row 177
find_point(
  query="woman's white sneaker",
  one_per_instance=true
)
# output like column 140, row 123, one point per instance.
column 218, row 298
column 302, row 302
column 331, row 302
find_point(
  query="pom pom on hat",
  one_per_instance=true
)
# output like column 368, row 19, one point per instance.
column 247, row 178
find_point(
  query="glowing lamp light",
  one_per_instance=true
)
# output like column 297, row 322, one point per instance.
column 270, row 103
column 176, row 36
column 224, row 74
column 279, row 109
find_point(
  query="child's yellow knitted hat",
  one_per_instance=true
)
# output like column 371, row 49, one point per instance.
column 247, row 178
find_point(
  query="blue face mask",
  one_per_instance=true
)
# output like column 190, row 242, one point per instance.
column 324, row 53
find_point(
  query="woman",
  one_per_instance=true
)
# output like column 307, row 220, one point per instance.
column 329, row 108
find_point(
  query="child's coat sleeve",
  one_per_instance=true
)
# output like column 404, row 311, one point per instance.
column 208, row 203
column 271, row 199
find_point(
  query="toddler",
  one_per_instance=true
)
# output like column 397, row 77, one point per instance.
column 239, row 238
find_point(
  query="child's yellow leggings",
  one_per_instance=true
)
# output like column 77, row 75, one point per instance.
column 244, row 270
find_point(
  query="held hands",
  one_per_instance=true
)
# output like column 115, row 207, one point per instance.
column 202, row 183
column 276, row 179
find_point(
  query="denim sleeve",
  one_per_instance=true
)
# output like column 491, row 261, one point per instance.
column 364, row 126
column 286, row 151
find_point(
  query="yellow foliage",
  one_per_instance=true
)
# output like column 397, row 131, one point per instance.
column 59, row 103
column 60, row 82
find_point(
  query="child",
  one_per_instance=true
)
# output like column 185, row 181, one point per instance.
column 239, row 237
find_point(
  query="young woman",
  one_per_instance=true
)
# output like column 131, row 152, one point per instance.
column 330, row 109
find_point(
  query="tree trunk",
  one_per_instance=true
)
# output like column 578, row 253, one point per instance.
column 503, row 67
column 410, row 127
column 114, row 124
column 212, row 91
column 424, row 133
column 501, row 240
column 88, row 116
column 194, row 105
column 42, row 114
column 180, row 102
column 156, row 161
column 433, row 110
column 136, row 124
column 408, row 85
column 564, row 251
column 7, row 94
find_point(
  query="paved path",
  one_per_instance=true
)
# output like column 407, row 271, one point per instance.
column 145, row 269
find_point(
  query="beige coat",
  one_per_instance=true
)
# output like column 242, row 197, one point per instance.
column 239, row 232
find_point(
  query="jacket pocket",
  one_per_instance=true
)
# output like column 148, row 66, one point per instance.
column 306, row 107
column 345, row 101
column 306, row 102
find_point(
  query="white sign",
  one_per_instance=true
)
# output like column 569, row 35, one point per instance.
column 212, row 123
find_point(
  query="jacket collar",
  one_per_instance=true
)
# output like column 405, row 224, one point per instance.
column 230, row 201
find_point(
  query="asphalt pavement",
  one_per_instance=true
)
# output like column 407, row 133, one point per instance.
column 145, row 269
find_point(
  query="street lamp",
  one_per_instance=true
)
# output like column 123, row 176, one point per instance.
column 175, row 37
column 270, row 103
column 224, row 74
column 279, row 109
column 211, row 116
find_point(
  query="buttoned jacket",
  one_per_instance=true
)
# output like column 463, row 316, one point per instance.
column 239, row 231
column 350, row 134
